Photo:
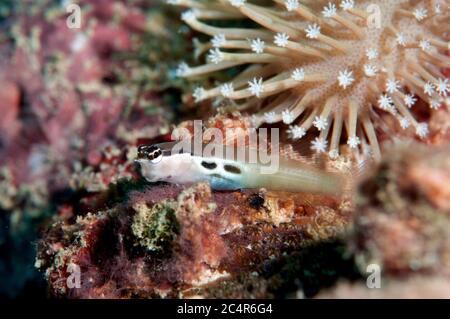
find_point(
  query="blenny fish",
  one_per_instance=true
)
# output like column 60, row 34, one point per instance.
column 164, row 162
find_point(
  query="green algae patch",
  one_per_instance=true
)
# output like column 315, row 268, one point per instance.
column 155, row 227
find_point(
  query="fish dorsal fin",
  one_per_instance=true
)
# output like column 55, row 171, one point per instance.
column 301, row 152
column 352, row 169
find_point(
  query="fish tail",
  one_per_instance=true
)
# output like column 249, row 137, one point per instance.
column 299, row 179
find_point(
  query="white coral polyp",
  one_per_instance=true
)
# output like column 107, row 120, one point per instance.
column 320, row 68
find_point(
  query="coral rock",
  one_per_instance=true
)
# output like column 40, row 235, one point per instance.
column 171, row 242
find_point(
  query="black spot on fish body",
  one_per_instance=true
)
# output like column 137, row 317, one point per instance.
column 209, row 165
column 232, row 169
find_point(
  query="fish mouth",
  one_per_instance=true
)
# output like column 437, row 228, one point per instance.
column 143, row 169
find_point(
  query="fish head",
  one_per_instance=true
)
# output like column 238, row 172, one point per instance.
column 159, row 164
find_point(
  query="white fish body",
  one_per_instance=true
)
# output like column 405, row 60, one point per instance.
column 157, row 164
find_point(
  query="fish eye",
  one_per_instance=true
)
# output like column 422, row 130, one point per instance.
column 151, row 152
column 156, row 159
column 154, row 154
